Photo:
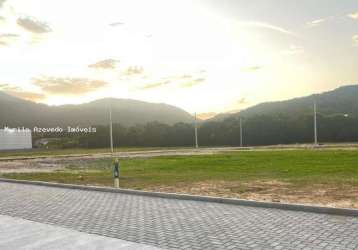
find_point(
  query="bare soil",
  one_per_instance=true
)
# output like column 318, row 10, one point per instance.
column 272, row 191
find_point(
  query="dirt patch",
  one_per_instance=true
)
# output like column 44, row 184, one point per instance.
column 37, row 165
column 272, row 191
column 29, row 166
column 26, row 164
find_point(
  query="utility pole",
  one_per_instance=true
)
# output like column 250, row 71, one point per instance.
column 110, row 126
column 196, row 132
column 116, row 167
column 315, row 123
column 241, row 139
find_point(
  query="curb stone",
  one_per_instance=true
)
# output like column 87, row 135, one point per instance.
column 240, row 202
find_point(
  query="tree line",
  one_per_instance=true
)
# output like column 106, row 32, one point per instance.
column 257, row 130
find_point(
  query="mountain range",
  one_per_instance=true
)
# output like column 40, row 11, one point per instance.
column 341, row 101
column 16, row 112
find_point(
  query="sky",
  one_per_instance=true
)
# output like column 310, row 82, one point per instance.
column 204, row 56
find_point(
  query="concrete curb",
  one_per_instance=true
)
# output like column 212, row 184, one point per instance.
column 241, row 202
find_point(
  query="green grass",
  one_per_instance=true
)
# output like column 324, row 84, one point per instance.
column 301, row 168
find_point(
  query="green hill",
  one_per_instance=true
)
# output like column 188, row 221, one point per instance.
column 343, row 100
column 17, row 112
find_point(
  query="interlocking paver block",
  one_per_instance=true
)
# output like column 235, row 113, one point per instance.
column 177, row 224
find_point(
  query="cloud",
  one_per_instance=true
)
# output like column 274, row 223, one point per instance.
column 355, row 40
column 5, row 87
column 183, row 81
column 238, row 105
column 320, row 21
column 2, row 3
column 251, row 68
column 133, row 70
column 20, row 93
column 8, row 35
column 67, row 85
column 263, row 25
column 105, row 64
column 192, row 83
column 155, row 85
column 353, row 15
column 294, row 50
column 180, row 77
column 316, row 22
column 7, row 38
column 30, row 96
column 116, row 24
column 205, row 116
column 242, row 101
column 189, row 80
column 34, row 26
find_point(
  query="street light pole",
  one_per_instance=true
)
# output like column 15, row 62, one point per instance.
column 241, row 139
column 196, row 133
column 315, row 124
column 110, row 126
column 116, row 167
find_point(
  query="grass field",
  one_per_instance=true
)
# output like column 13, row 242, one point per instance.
column 304, row 176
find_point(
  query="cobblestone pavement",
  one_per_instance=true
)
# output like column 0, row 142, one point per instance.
column 177, row 224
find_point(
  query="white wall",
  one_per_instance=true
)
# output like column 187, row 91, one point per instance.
column 15, row 139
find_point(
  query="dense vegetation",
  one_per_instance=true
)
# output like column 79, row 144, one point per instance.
column 257, row 130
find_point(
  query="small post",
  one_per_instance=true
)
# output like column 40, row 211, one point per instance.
column 116, row 169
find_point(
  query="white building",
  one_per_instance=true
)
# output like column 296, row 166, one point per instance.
column 11, row 139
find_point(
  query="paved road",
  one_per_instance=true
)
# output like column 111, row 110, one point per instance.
column 23, row 234
column 177, row 224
